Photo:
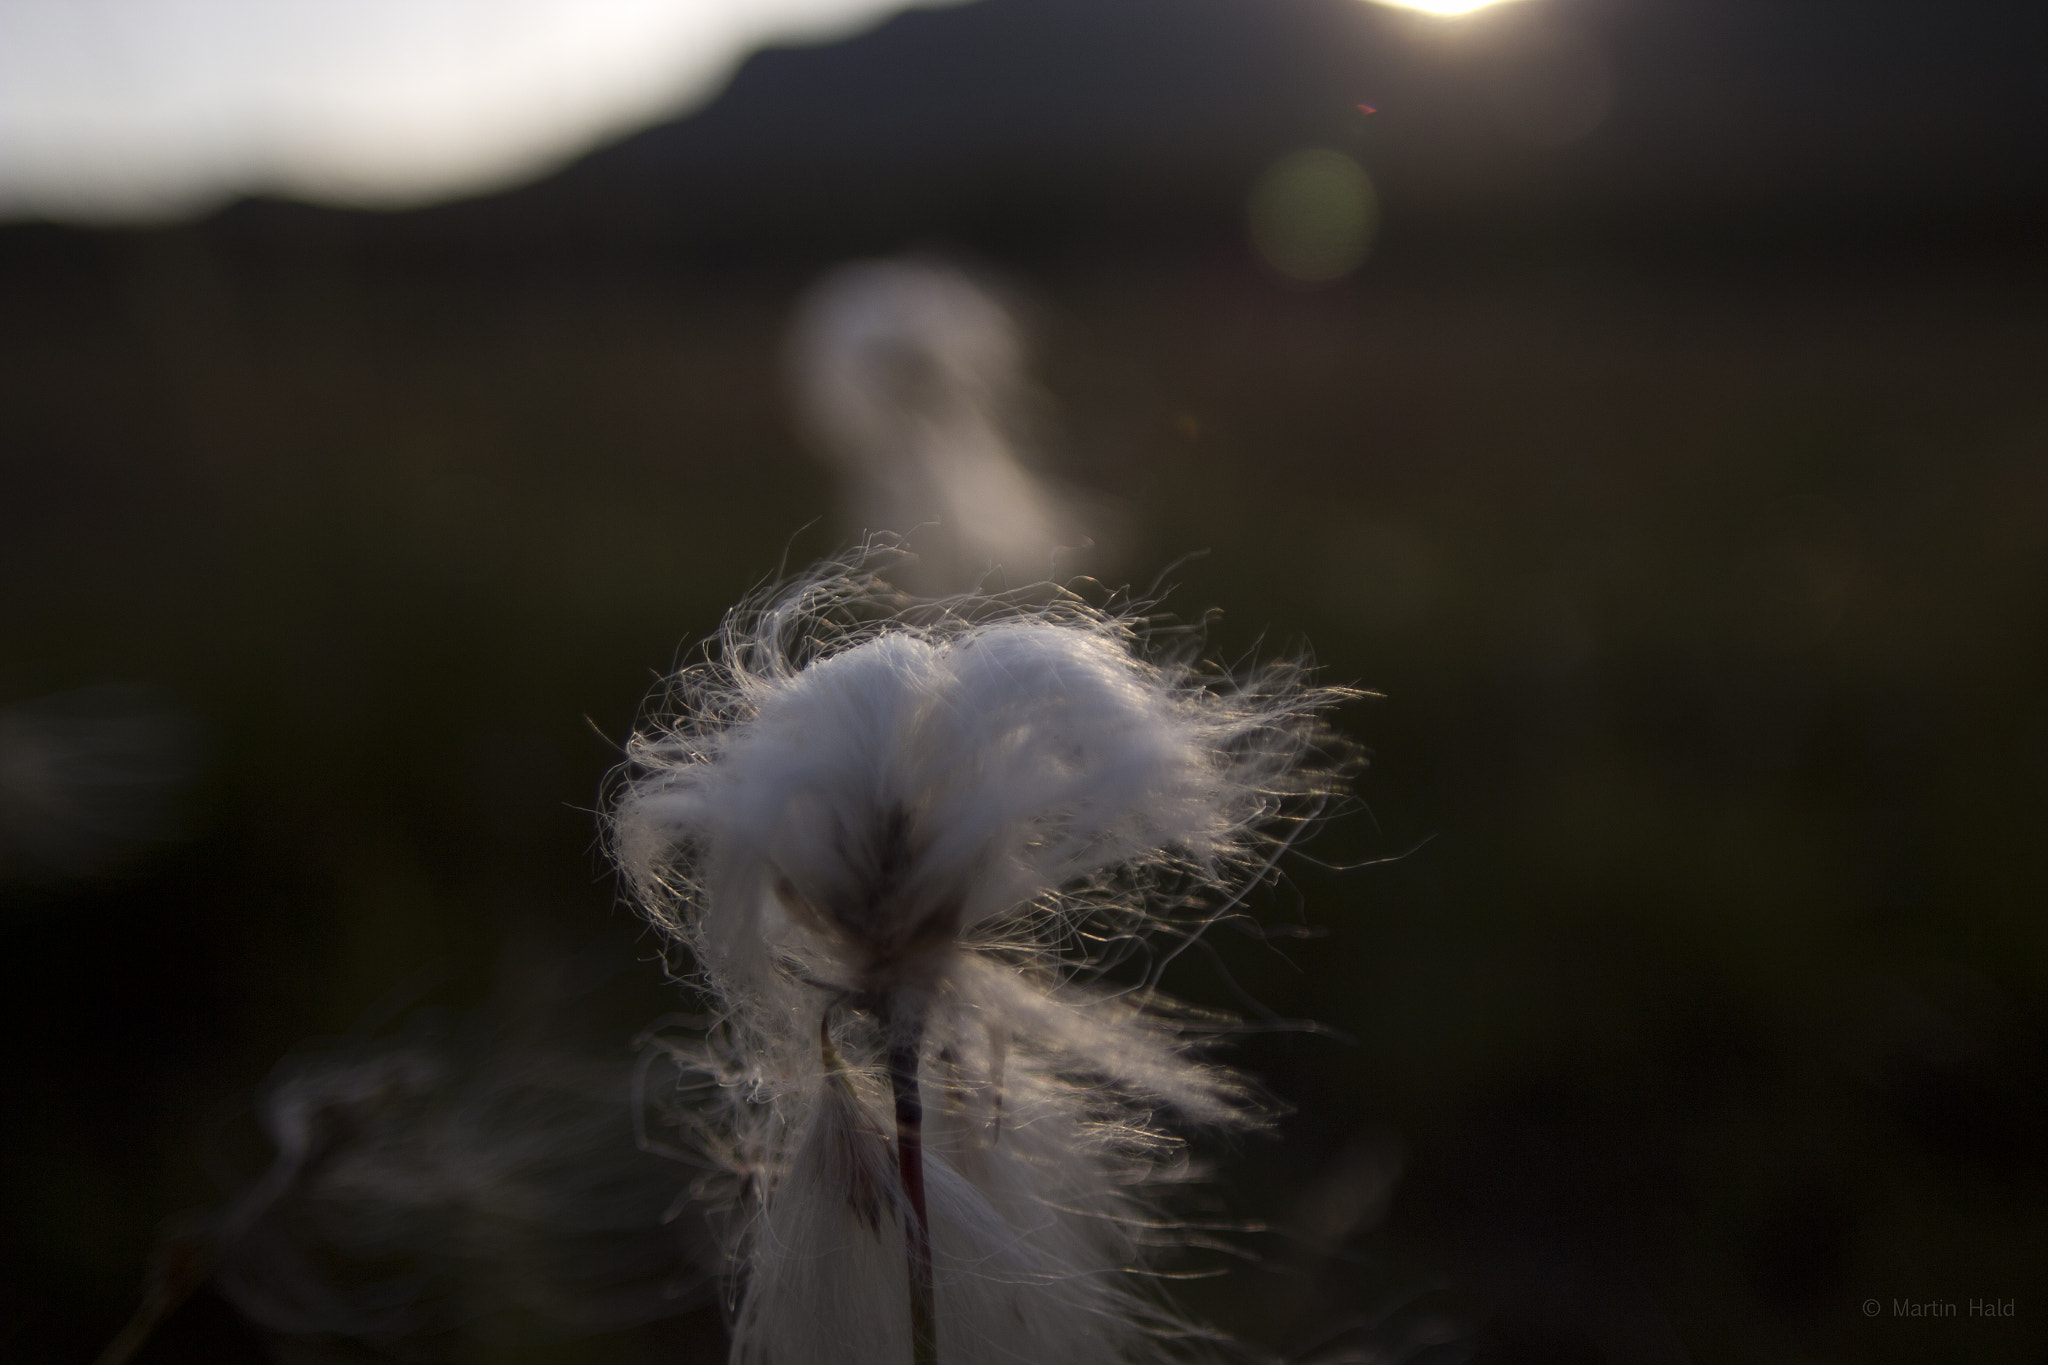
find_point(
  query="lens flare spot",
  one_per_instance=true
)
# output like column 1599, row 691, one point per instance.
column 1312, row 215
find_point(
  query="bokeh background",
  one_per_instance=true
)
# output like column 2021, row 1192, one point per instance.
column 1661, row 431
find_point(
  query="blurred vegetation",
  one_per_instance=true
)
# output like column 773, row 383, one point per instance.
column 1686, row 933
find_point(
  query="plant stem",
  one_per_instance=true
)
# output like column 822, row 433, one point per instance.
column 917, row 1232
column 180, row 1266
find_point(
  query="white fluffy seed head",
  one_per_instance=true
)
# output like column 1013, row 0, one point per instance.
column 853, row 785
column 882, row 825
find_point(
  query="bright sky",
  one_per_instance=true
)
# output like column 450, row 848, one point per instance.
column 148, row 109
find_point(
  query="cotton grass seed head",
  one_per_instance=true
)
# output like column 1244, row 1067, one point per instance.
column 901, row 840
column 854, row 788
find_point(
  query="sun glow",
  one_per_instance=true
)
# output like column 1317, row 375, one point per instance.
column 1446, row 8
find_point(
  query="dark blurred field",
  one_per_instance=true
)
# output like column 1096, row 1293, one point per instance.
column 1686, row 934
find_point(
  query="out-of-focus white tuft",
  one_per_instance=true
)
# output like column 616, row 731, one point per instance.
column 90, row 777
column 911, row 379
column 455, row 1171
column 901, row 839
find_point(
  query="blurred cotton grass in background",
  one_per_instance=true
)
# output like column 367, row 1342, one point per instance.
column 910, row 377
column 466, row 1178
column 904, row 843
column 91, row 777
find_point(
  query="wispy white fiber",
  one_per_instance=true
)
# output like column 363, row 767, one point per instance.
column 470, row 1174
column 424, row 1181
column 912, row 380
column 900, row 839
column 89, row 777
